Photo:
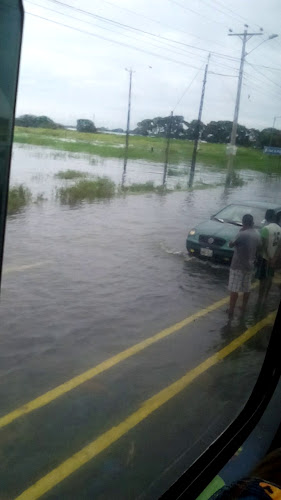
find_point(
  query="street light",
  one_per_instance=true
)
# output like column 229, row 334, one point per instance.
column 245, row 37
column 266, row 40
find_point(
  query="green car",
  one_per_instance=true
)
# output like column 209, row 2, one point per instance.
column 210, row 239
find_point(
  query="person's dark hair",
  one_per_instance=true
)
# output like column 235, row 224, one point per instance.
column 248, row 220
column 270, row 215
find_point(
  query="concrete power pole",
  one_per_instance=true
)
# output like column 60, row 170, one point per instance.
column 169, row 128
column 197, row 131
column 232, row 146
column 128, row 127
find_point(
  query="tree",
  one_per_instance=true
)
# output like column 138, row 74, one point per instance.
column 193, row 129
column 144, row 127
column 36, row 122
column 254, row 137
column 159, row 126
column 179, row 127
column 270, row 136
column 217, row 132
column 220, row 133
column 84, row 125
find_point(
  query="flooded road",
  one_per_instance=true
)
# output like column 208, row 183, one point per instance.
column 83, row 284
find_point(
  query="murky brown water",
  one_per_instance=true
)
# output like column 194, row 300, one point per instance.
column 82, row 284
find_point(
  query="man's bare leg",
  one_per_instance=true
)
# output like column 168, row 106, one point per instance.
column 232, row 302
column 246, row 296
column 268, row 283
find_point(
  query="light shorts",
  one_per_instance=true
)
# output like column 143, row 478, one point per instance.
column 239, row 281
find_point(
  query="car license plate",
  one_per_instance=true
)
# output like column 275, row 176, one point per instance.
column 206, row 252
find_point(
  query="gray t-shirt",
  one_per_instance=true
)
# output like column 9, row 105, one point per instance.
column 245, row 249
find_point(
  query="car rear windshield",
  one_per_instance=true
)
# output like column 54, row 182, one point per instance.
column 234, row 214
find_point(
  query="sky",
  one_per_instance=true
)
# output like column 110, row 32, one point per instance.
column 75, row 54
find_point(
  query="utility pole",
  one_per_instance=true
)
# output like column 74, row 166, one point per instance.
column 197, row 130
column 245, row 37
column 128, row 127
column 272, row 129
column 169, row 128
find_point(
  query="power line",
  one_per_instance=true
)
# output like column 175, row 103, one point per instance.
column 261, row 73
column 222, row 74
column 161, row 23
column 266, row 67
column 188, row 9
column 215, row 54
column 223, row 65
column 212, row 6
column 180, row 51
column 232, row 11
column 188, row 87
column 262, row 82
column 244, row 19
column 258, row 83
column 237, row 15
column 112, row 41
column 111, row 21
column 260, row 90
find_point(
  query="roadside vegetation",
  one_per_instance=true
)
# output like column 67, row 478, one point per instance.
column 146, row 148
column 177, row 172
column 19, row 197
column 146, row 187
column 71, row 174
column 87, row 190
column 90, row 190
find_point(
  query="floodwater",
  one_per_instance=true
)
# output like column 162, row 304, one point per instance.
column 82, row 284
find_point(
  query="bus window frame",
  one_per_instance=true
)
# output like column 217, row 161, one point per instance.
column 204, row 469
column 12, row 73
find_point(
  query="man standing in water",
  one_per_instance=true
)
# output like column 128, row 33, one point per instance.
column 270, row 238
column 242, row 265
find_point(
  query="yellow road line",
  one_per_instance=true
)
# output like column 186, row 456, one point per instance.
column 74, row 382
column 109, row 437
column 24, row 267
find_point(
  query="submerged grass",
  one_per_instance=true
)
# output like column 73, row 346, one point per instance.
column 138, row 187
column 71, row 174
column 176, row 172
column 19, row 197
column 87, row 190
column 146, row 148
column 90, row 190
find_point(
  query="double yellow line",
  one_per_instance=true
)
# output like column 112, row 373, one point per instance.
column 71, row 384
column 109, row 437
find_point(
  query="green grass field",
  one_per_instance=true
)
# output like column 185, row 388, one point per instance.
column 112, row 146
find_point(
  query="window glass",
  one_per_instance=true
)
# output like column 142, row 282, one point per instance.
column 234, row 214
column 122, row 357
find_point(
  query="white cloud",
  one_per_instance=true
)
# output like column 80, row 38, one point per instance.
column 67, row 74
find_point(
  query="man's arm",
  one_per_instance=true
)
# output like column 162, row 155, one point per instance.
column 236, row 241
